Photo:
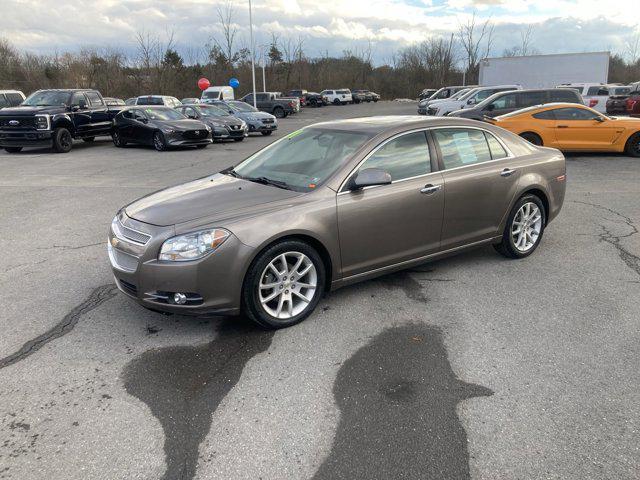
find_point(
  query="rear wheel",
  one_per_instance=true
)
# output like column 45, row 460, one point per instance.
column 525, row 226
column 266, row 133
column 336, row 102
column 283, row 284
column 632, row 147
column 532, row 138
column 159, row 142
column 13, row 149
column 62, row 140
column 88, row 139
column 279, row 112
column 117, row 139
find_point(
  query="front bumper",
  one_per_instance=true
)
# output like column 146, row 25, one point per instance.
column 26, row 138
column 213, row 284
column 226, row 133
column 259, row 126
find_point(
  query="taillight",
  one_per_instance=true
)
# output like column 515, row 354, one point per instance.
column 593, row 102
column 630, row 104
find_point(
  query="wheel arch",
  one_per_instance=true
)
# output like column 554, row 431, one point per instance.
column 63, row 121
column 533, row 132
column 313, row 241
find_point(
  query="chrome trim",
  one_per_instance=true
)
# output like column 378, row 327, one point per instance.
column 114, row 262
column 48, row 117
column 115, row 228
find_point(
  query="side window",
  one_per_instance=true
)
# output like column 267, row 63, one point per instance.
column 127, row 114
column 138, row 114
column 529, row 99
column 403, row 157
column 597, row 90
column 461, row 147
column 495, row 147
column 574, row 114
column 79, row 100
column 190, row 112
column 504, row 102
column 546, row 115
column 249, row 98
column 564, row 95
column 262, row 97
column 94, row 99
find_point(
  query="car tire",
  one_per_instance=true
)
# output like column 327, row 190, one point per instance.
column 279, row 112
column 533, row 138
column 159, row 142
column 524, row 214
column 632, row 148
column 375, row 101
column 62, row 140
column 238, row 139
column 267, row 133
column 336, row 102
column 88, row 139
column 13, row 149
column 256, row 301
column 202, row 146
column 313, row 103
column 117, row 139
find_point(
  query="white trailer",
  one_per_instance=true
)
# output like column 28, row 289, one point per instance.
column 546, row 71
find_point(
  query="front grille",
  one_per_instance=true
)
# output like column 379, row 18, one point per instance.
column 133, row 235
column 23, row 122
column 235, row 127
column 129, row 288
column 121, row 260
column 268, row 120
column 195, row 134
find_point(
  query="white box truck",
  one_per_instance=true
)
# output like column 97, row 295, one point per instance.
column 546, row 71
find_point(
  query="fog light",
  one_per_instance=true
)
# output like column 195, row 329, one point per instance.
column 179, row 298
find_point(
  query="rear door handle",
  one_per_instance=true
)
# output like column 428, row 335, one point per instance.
column 563, row 126
column 430, row 188
column 507, row 172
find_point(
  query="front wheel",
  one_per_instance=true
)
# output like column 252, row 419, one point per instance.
column 279, row 112
column 633, row 145
column 202, row 146
column 266, row 133
column 13, row 149
column 525, row 226
column 283, row 284
column 238, row 139
column 62, row 140
column 159, row 142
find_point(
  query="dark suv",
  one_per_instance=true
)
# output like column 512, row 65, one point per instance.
column 506, row 102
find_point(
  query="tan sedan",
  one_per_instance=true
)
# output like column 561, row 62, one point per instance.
column 332, row 204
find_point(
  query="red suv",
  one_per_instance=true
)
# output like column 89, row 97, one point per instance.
column 633, row 102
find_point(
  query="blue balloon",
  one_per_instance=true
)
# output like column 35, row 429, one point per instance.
column 234, row 82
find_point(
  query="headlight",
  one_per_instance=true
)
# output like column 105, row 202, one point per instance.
column 243, row 124
column 168, row 130
column 192, row 246
column 42, row 122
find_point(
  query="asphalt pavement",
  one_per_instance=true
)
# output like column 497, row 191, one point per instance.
column 470, row 367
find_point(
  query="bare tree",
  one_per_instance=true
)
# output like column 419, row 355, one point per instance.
column 229, row 32
column 632, row 49
column 472, row 38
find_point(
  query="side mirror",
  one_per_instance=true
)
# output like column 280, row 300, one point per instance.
column 142, row 119
column 75, row 108
column 369, row 177
column 599, row 119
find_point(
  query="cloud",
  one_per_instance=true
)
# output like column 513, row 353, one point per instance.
column 327, row 26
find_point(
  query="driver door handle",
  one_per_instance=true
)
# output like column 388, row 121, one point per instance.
column 430, row 188
column 563, row 126
column 507, row 172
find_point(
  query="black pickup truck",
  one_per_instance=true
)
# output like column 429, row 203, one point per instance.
column 53, row 118
column 270, row 103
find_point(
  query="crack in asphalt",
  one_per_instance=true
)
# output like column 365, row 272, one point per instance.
column 70, row 247
column 398, row 397
column 183, row 386
column 630, row 259
column 97, row 297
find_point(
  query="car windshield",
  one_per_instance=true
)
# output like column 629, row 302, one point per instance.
column 48, row 98
column 150, row 101
column 303, row 159
column 212, row 111
column 459, row 94
column 211, row 94
column 164, row 114
column 243, row 107
column 620, row 91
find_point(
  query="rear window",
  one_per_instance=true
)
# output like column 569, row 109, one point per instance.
column 528, row 99
column 215, row 94
column 546, row 115
column 94, row 98
column 150, row 101
column 14, row 98
column 495, row 147
column 597, row 90
column 565, row 95
column 342, row 92
column 3, row 101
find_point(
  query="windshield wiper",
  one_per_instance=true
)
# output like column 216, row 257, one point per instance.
column 269, row 181
column 231, row 172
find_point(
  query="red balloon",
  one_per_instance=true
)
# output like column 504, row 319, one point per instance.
column 203, row 84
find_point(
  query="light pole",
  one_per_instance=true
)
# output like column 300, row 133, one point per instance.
column 253, row 67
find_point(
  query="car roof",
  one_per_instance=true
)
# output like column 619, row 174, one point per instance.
column 546, row 106
column 389, row 123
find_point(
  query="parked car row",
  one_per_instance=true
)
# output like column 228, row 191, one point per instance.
column 55, row 117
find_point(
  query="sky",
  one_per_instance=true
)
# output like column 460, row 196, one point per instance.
column 325, row 26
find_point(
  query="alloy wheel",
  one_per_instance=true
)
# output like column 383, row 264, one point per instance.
column 158, row 141
column 526, row 227
column 287, row 285
column 65, row 140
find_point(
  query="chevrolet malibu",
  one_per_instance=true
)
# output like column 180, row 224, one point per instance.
column 329, row 205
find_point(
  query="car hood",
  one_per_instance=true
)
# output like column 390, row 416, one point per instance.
column 260, row 115
column 215, row 197
column 230, row 120
column 184, row 124
column 29, row 111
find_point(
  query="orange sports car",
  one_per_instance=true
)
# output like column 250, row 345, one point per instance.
column 573, row 127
